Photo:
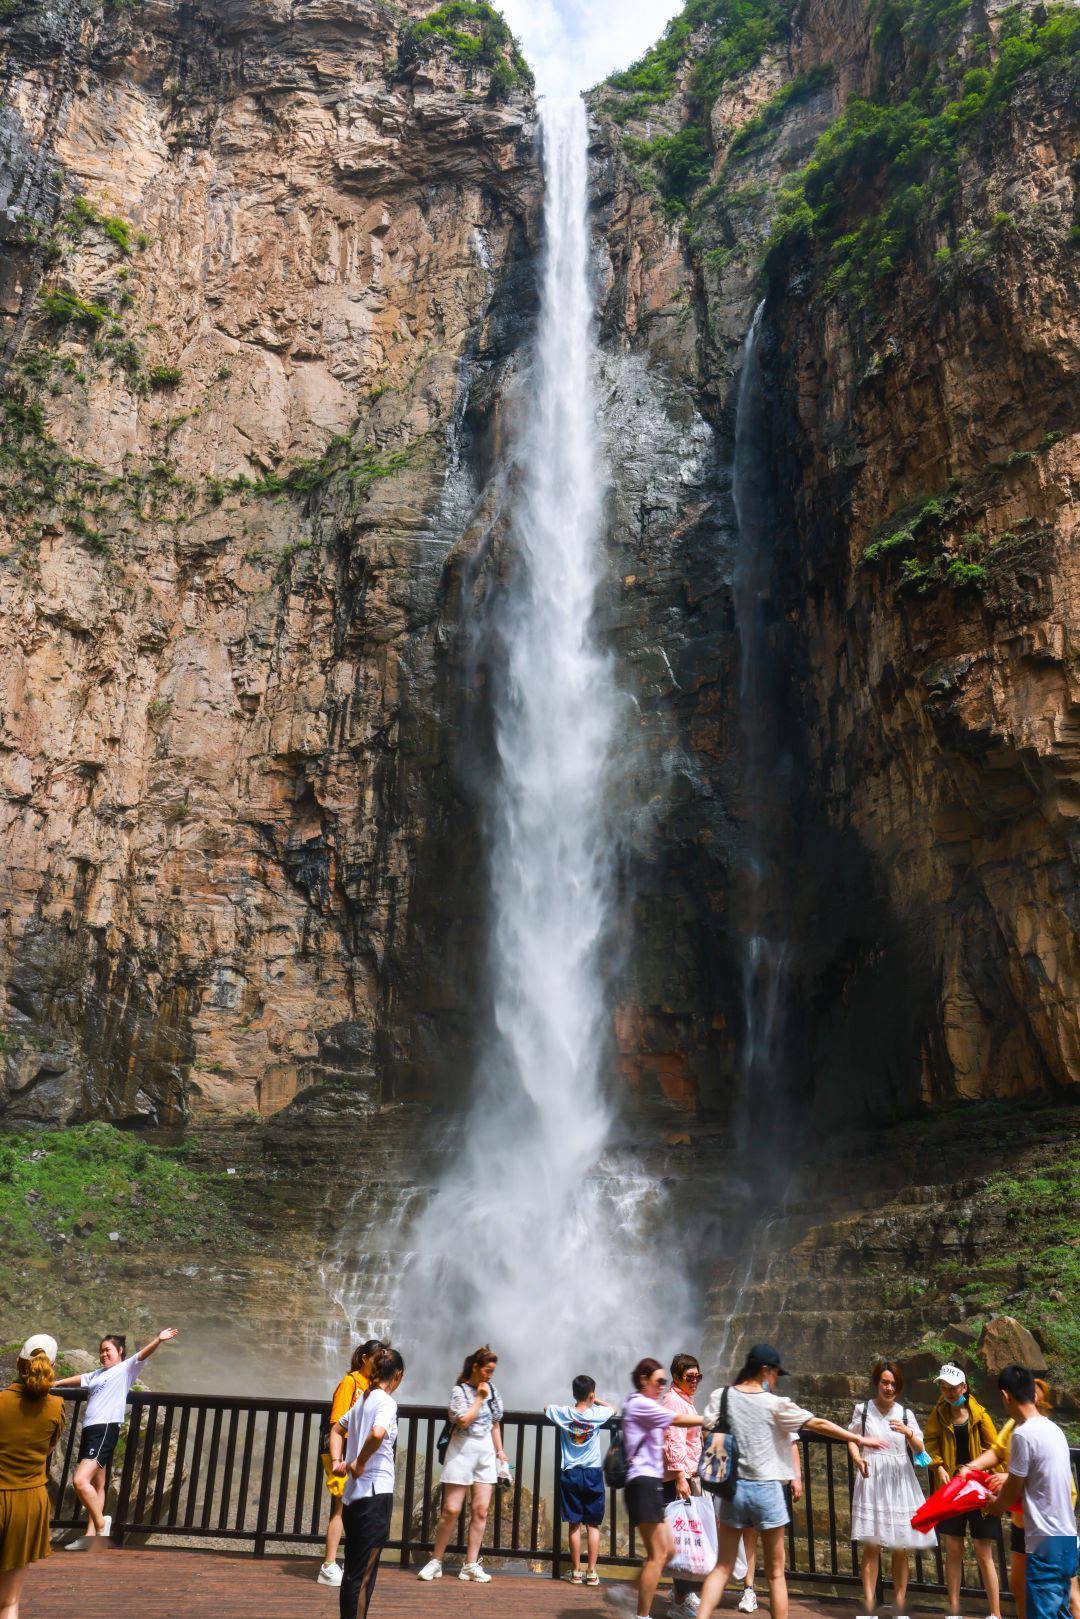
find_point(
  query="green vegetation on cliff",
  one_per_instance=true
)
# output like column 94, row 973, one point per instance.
column 90, row 1180
column 476, row 36
column 882, row 167
column 724, row 38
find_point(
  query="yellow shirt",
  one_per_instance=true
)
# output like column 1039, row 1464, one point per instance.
column 28, row 1430
column 348, row 1391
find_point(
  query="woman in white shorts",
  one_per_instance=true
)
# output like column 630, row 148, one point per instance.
column 472, row 1463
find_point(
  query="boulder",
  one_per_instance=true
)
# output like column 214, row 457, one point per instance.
column 1004, row 1342
column 77, row 1360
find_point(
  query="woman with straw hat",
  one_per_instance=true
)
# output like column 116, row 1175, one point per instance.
column 31, row 1420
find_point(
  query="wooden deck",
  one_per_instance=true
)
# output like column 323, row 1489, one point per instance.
column 121, row 1583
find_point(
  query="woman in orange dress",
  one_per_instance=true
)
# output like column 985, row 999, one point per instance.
column 31, row 1421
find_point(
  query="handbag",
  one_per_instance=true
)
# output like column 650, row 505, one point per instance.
column 693, row 1530
column 718, row 1467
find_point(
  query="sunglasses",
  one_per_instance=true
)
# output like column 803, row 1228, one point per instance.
column 691, row 1377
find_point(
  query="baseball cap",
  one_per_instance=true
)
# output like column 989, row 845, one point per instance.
column 951, row 1374
column 39, row 1340
column 766, row 1355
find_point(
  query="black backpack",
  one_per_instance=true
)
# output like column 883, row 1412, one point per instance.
column 617, row 1462
column 718, row 1467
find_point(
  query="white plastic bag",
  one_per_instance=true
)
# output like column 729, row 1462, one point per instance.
column 693, row 1527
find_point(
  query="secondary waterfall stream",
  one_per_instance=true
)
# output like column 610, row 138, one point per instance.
column 540, row 1237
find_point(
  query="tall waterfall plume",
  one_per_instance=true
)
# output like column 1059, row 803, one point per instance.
column 542, row 1239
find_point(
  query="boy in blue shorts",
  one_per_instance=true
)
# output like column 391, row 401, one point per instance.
column 581, row 1478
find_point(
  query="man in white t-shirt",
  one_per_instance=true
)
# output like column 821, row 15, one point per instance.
column 1040, row 1470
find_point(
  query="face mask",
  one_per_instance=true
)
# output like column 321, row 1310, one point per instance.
column 921, row 1458
column 961, row 1399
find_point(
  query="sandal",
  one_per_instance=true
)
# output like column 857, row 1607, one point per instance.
column 576, row 1577
column 592, row 1577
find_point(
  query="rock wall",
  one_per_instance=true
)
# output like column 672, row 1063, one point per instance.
column 923, row 863
column 254, row 260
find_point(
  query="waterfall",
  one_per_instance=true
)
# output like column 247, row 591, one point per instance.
column 761, row 1111
column 541, row 1238
column 764, row 947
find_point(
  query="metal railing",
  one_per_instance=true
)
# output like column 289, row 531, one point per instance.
column 238, row 1471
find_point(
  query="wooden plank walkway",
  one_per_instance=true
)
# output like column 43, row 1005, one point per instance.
column 122, row 1583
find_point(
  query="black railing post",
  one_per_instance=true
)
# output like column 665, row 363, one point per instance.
column 556, row 1512
column 410, row 1485
column 127, row 1473
column 265, row 1484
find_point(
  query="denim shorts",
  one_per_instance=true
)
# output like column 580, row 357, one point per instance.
column 756, row 1504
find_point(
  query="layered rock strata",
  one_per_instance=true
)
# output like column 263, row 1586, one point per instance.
column 254, row 257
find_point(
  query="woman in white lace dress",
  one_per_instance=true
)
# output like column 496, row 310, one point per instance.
column 887, row 1490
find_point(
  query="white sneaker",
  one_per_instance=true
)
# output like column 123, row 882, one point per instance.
column 106, row 1526
column 329, row 1574
column 748, row 1600
column 431, row 1571
column 473, row 1571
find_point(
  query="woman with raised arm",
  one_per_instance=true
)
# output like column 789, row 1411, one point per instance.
column 763, row 1423
column 103, row 1419
column 362, row 1453
column 472, row 1463
column 31, row 1421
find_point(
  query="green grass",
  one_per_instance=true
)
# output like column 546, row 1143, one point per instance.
column 882, row 168
column 148, row 1195
column 1042, row 1214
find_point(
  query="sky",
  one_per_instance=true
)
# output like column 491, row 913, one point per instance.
column 572, row 44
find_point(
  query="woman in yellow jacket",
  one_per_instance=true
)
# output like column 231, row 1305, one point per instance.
column 997, row 1454
column 356, row 1382
column 31, row 1420
column 957, row 1430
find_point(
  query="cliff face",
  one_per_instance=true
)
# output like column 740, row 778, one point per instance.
column 900, row 184
column 255, row 257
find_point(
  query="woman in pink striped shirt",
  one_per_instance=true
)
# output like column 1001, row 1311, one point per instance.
column 682, row 1451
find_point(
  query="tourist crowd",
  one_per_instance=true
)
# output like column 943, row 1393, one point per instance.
column 740, row 1455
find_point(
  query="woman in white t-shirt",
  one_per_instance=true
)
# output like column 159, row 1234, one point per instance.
column 103, row 1418
column 362, row 1451
column 763, row 1423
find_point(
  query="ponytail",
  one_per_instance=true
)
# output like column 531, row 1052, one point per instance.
column 36, row 1375
column 386, row 1365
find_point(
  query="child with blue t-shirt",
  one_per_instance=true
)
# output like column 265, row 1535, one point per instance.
column 581, row 1477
